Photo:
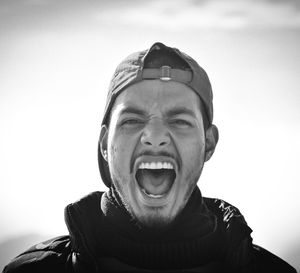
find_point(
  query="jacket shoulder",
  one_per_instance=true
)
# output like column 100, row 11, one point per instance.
column 238, row 234
column 265, row 261
column 49, row 256
column 226, row 212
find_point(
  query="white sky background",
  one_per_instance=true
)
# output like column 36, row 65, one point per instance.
column 56, row 60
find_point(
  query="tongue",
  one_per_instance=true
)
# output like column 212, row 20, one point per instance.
column 155, row 182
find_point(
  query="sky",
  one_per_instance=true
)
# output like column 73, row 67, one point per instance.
column 56, row 61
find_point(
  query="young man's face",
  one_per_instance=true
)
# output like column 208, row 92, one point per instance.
column 156, row 149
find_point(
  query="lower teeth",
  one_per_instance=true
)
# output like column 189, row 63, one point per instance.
column 152, row 195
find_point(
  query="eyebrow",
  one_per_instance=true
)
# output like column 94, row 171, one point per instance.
column 133, row 110
column 181, row 110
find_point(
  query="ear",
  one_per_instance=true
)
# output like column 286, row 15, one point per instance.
column 103, row 141
column 211, row 138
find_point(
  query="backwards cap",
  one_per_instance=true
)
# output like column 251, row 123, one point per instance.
column 133, row 70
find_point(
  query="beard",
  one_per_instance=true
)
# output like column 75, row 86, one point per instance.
column 152, row 217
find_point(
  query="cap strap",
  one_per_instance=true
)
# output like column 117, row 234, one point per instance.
column 166, row 73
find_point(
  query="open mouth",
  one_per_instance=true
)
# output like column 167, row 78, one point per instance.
column 155, row 179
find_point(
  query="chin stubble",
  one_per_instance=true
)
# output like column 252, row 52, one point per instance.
column 154, row 218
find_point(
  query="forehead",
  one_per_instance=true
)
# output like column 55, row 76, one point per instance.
column 157, row 95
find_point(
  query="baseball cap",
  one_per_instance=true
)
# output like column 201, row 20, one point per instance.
column 133, row 70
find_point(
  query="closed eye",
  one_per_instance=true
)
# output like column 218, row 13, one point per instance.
column 180, row 123
column 131, row 121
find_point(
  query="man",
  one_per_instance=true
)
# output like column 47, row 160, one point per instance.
column 156, row 135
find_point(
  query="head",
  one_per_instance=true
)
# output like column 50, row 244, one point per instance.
column 156, row 136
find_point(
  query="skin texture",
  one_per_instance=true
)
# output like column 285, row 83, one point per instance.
column 156, row 121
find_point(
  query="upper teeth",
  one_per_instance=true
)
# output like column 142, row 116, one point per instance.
column 156, row 165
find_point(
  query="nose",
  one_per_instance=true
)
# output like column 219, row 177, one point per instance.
column 155, row 135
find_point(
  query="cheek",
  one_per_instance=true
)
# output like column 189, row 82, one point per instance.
column 193, row 160
column 119, row 144
column 116, row 147
column 116, row 157
column 119, row 156
column 193, row 171
column 191, row 175
column 193, row 150
column 114, row 150
column 118, row 168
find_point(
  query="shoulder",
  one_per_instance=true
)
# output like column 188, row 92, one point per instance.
column 48, row 256
column 53, row 255
column 236, row 232
column 239, row 241
column 86, row 202
column 265, row 261
column 229, row 216
column 222, row 209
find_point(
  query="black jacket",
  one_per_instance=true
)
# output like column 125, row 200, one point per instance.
column 80, row 251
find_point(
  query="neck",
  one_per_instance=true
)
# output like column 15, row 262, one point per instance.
column 193, row 239
column 195, row 217
column 191, row 235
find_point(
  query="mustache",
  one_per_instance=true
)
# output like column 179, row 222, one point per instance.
column 151, row 153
